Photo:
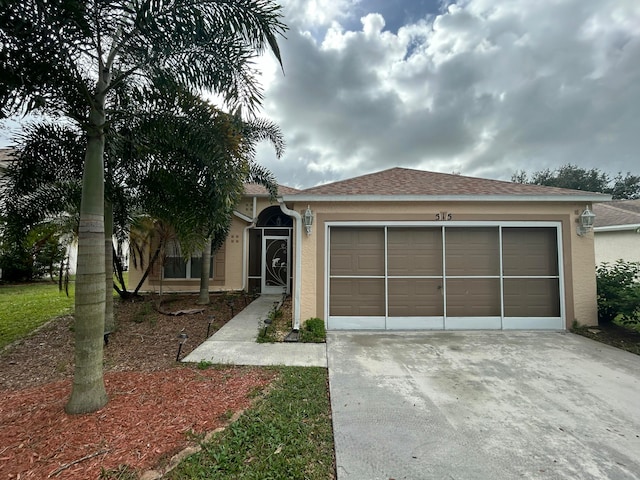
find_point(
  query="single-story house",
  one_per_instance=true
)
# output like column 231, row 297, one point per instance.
column 617, row 231
column 411, row 249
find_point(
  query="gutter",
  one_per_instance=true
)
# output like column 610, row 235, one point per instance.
column 618, row 228
column 313, row 198
column 298, row 259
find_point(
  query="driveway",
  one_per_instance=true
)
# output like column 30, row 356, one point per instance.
column 483, row 405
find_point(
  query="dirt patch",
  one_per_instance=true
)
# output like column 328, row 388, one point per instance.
column 156, row 406
column 614, row 335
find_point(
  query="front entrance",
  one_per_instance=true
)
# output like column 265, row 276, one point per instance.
column 270, row 253
column 276, row 265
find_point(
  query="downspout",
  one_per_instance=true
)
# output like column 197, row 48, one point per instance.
column 298, row 260
column 245, row 242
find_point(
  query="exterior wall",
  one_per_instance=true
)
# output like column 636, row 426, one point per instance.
column 231, row 254
column 577, row 251
column 622, row 244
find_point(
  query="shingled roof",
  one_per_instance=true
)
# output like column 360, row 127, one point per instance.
column 404, row 182
column 617, row 213
column 255, row 190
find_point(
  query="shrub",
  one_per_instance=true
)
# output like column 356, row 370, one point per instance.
column 313, row 331
column 618, row 292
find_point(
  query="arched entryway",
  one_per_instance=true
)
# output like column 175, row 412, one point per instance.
column 270, row 257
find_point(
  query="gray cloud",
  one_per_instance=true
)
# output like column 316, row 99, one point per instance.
column 485, row 88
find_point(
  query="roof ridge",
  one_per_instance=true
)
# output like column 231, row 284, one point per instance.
column 623, row 210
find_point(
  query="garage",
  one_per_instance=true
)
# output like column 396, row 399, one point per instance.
column 446, row 276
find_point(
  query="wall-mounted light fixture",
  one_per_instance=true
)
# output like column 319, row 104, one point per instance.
column 585, row 221
column 307, row 219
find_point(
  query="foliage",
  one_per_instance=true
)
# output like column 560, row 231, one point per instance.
column 313, row 331
column 578, row 178
column 619, row 292
column 288, row 434
column 25, row 307
column 86, row 60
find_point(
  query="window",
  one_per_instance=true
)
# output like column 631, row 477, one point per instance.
column 177, row 267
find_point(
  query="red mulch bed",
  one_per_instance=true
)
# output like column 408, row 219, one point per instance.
column 155, row 409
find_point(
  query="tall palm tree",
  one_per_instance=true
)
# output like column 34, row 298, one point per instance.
column 69, row 56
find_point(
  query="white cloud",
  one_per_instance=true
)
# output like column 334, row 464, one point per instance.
column 485, row 88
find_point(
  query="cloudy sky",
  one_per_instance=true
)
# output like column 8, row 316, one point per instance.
column 477, row 87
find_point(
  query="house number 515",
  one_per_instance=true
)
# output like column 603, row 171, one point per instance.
column 444, row 216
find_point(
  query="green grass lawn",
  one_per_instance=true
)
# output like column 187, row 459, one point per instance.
column 287, row 434
column 25, row 307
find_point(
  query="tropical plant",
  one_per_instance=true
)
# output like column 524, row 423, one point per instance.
column 69, row 57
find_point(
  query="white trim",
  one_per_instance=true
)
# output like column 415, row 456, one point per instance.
column 448, row 323
column 618, row 228
column 355, row 323
column 473, row 323
column 242, row 216
column 445, row 198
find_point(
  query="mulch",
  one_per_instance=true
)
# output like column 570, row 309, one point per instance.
column 156, row 407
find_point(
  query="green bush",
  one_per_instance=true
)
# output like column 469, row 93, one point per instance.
column 619, row 292
column 313, row 331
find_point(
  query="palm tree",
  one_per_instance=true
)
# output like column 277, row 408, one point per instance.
column 69, row 56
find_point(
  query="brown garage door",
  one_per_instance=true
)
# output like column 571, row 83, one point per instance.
column 443, row 277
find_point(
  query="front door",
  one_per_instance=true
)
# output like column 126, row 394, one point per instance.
column 275, row 265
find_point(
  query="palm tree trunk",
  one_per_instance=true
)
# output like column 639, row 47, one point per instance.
column 109, row 323
column 204, row 299
column 88, row 393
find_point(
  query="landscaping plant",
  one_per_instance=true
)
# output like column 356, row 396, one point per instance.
column 619, row 292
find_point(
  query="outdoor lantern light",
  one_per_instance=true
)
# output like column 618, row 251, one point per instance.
column 307, row 219
column 182, row 337
column 585, row 221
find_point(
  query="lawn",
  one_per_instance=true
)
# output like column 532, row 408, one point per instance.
column 287, row 434
column 25, row 307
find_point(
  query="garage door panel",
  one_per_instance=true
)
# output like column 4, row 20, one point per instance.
column 529, row 251
column 357, row 297
column 531, row 297
column 357, row 251
column 414, row 251
column 475, row 297
column 411, row 297
column 472, row 251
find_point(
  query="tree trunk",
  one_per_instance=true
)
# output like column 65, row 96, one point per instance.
column 204, row 299
column 109, row 323
column 88, row 393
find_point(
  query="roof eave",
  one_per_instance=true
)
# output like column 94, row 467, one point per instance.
column 446, row 198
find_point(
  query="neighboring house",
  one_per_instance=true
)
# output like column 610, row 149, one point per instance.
column 617, row 231
column 410, row 249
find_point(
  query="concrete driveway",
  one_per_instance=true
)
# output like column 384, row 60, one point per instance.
column 483, row 405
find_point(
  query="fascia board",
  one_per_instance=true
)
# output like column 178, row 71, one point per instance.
column 447, row 198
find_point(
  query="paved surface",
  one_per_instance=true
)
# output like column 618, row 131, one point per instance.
column 483, row 405
column 235, row 343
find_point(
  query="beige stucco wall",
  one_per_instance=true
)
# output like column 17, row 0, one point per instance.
column 578, row 251
column 611, row 246
column 233, row 256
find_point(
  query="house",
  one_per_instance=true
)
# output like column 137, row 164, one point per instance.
column 617, row 231
column 411, row 249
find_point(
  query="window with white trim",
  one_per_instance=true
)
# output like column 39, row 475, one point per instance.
column 177, row 267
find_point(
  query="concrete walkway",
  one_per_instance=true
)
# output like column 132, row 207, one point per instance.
column 235, row 343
